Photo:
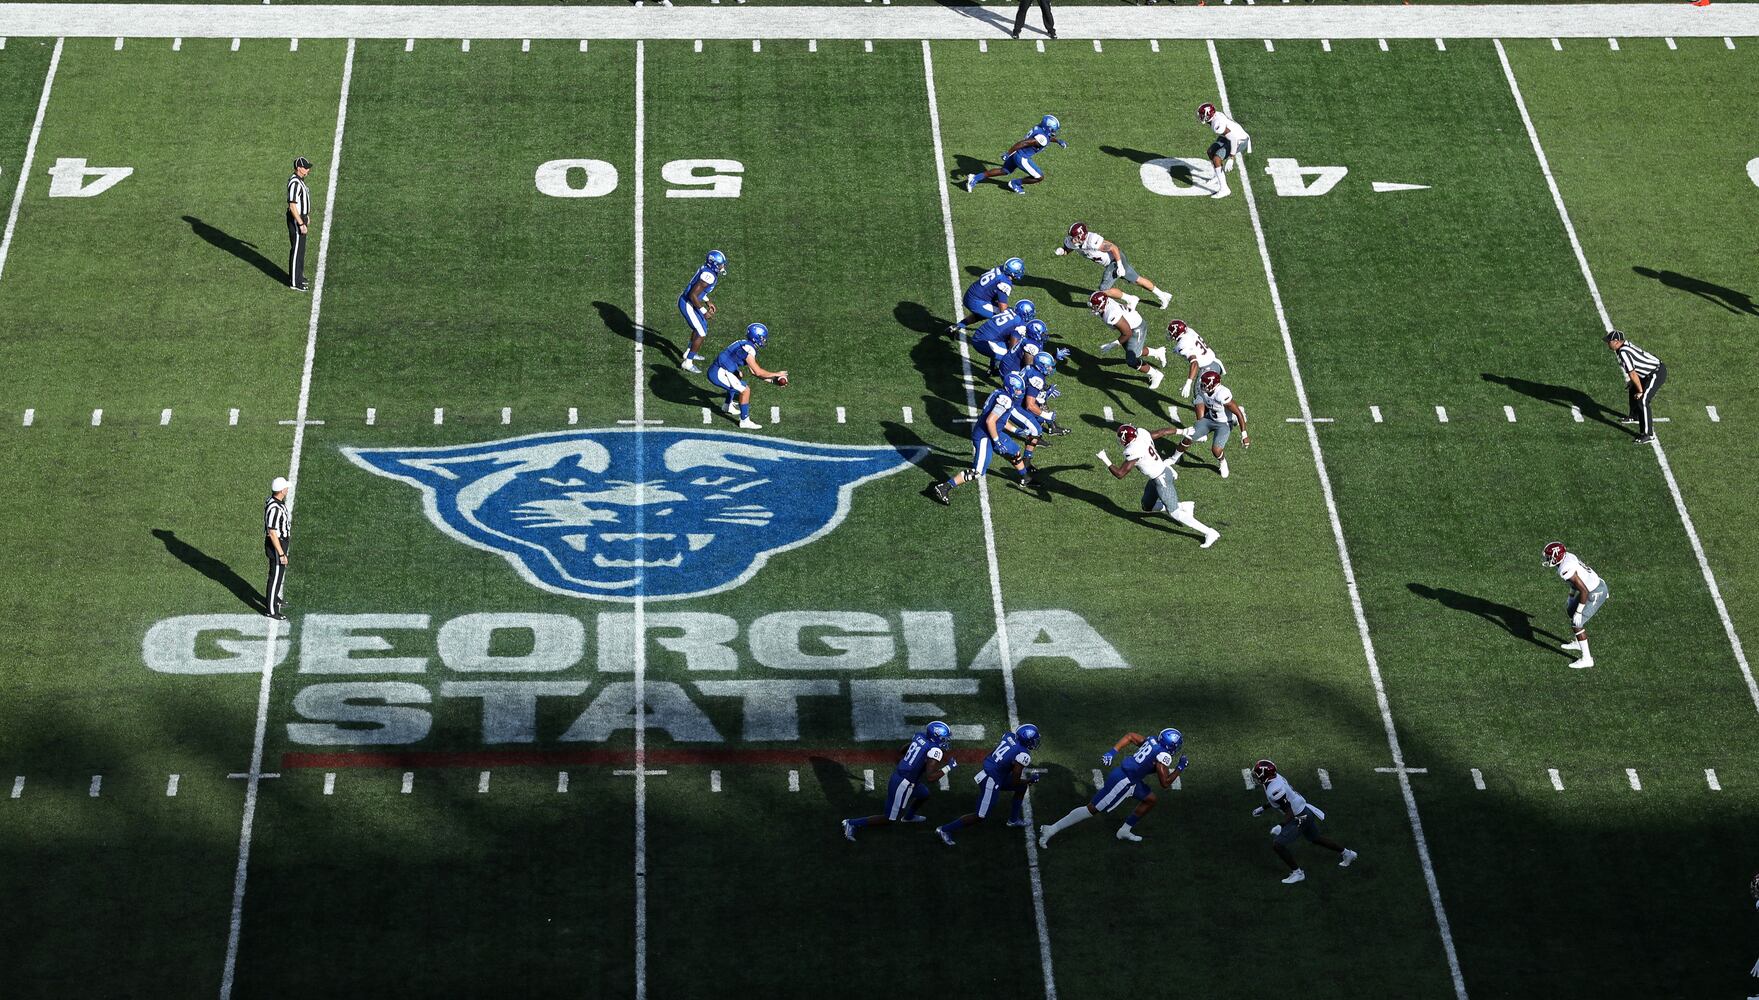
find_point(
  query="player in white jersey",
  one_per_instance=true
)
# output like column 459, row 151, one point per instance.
column 1132, row 336
column 1587, row 593
column 1230, row 142
column 1110, row 256
column 1160, row 494
column 1200, row 356
column 1300, row 819
column 1217, row 413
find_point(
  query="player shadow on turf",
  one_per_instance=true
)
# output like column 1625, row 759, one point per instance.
column 1133, row 155
column 620, row 323
column 210, row 567
column 1512, row 620
column 1104, row 375
column 1560, row 395
column 965, row 8
column 964, row 166
column 246, row 252
column 1727, row 298
column 936, row 356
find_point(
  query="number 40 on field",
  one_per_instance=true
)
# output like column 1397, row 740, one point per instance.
column 596, row 178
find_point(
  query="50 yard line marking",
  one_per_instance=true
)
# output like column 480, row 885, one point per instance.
column 1673, row 486
column 254, row 777
column 1337, row 531
column 640, row 665
column 30, row 154
column 989, row 531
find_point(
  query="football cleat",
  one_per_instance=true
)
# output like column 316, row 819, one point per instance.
column 1155, row 375
column 1126, row 434
column 1348, row 857
column 1583, row 664
column 1172, row 739
column 1263, row 771
column 1209, row 380
column 750, row 425
column 1096, row 302
column 942, row 493
column 946, row 838
column 689, row 365
column 1165, row 297
column 1210, row 539
column 1132, row 301
column 757, row 334
column 849, row 831
column 971, row 182
column 717, row 261
column 1054, row 429
column 1016, row 187
column 1024, row 309
column 1295, row 876
column 1028, row 736
column 1078, row 232
column 1206, row 113
column 1017, row 822
column 1176, row 329
column 1014, row 268
column 1125, row 833
column 1571, row 645
column 938, row 732
column 1159, row 354
column 1554, row 553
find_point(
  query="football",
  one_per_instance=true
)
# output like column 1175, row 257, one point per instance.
column 782, row 379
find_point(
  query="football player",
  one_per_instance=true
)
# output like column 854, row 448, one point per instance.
column 1000, row 335
column 1132, row 336
column 1300, row 819
column 1002, row 414
column 1109, row 255
column 1004, row 770
column 1019, row 157
column 1159, row 494
column 1030, row 342
column 1040, row 391
column 1130, row 778
column 1230, row 142
column 695, row 307
column 1188, row 345
column 1217, row 413
column 724, row 373
column 988, row 295
column 924, row 759
column 1587, row 593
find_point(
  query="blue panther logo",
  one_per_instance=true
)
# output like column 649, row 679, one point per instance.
column 616, row 514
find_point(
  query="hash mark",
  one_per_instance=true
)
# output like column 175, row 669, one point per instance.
column 1269, row 46
column 793, row 781
column 97, row 783
column 1246, row 777
column 1096, row 46
column 18, row 786
column 1509, row 411
column 573, row 415
column 506, row 414
column 812, row 45
column 1441, row 414
column 699, row 45
column 232, row 417
column 409, row 45
column 867, row 780
column 372, row 416
column 1325, row 779
column 714, row 781
column 1556, row 782
column 165, row 417
column 1715, row 417
column 1614, row 43
column 841, row 417
column 97, row 417
column 1325, row 44
column 525, row 45
column 1041, row 45
column 1576, row 414
column 293, row 45
column 1383, row 45
column 408, row 782
column 235, row 45
column 1709, row 779
column 482, row 783
column 171, row 787
column 30, row 417
column 118, row 43
column 983, row 45
column 869, row 42
column 583, row 45
column 1631, row 775
column 176, row 45
column 1440, row 46
column 1374, row 411
column 1726, row 40
column 1108, row 414
column 1671, row 45
column 756, row 45
column 706, row 417
column 439, row 415
column 1154, row 45
column 464, row 46
column 1478, row 779
column 1556, row 45
column 1098, row 779
column 909, row 417
column 329, row 782
column 561, row 782
column 775, row 414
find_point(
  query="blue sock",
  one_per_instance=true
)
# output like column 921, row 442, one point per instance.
column 954, row 826
column 952, row 484
column 744, row 411
column 1131, row 819
column 858, row 823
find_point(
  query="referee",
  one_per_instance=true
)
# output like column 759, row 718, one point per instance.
column 1647, row 375
column 275, row 536
column 298, row 218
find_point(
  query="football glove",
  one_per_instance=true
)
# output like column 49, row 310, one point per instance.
column 1185, row 390
column 1053, row 393
column 1107, row 757
column 1258, row 811
column 1063, row 143
column 1182, row 762
column 1062, row 354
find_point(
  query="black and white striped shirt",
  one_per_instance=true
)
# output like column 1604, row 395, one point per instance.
column 275, row 519
column 1635, row 359
column 298, row 195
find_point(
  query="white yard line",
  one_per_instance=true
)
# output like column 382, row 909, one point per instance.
column 30, row 154
column 989, row 531
column 254, row 777
column 1295, row 21
column 640, row 404
column 1337, row 530
column 1673, row 486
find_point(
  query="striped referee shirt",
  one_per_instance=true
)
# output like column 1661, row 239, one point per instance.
column 1635, row 359
column 275, row 519
column 298, row 195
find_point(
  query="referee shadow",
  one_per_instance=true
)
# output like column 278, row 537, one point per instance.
column 210, row 567
column 246, row 252
column 1560, row 395
column 1512, row 620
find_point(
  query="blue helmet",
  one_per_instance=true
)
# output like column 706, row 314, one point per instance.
column 1014, row 268
column 1027, row 734
column 1024, row 309
column 1015, row 384
column 716, row 260
column 758, row 334
column 1045, row 362
column 1172, row 739
column 938, row 732
column 1050, row 123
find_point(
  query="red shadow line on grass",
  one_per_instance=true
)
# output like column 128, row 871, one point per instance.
column 481, row 759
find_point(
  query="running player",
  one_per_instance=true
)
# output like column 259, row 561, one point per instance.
column 1110, row 256
column 1020, row 157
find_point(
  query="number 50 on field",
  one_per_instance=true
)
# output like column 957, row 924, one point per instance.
column 582, row 178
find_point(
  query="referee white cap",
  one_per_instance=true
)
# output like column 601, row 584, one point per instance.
column 280, row 483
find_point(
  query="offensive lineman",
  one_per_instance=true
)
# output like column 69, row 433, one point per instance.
column 1132, row 336
column 1159, row 494
column 1230, row 141
column 1110, row 256
column 1587, row 593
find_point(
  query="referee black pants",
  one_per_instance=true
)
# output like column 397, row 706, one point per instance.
column 272, row 596
column 1641, row 402
column 1044, row 6
column 295, row 254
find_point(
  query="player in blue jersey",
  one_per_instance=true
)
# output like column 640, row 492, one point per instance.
column 724, row 373
column 1154, row 756
column 988, row 295
column 1026, row 347
column 924, row 759
column 1004, row 770
column 1040, row 391
column 1002, row 414
column 695, row 307
column 1019, row 157
column 1000, row 335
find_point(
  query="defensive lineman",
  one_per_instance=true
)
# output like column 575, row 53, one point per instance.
column 1132, row 336
column 1646, row 375
column 277, row 530
column 1300, row 819
column 1159, row 494
column 988, row 295
column 1587, row 593
column 695, row 307
column 1109, row 255
column 1004, row 770
column 924, row 759
column 1216, row 414
column 1230, row 141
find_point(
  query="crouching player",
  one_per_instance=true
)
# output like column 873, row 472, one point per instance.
column 1004, row 770
column 1217, row 415
column 724, row 373
column 924, row 760
column 988, row 295
column 1155, row 756
column 1132, row 336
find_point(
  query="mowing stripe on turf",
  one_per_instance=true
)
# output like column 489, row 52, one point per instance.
column 1673, row 486
column 30, row 154
column 989, row 533
column 254, row 777
column 1337, row 530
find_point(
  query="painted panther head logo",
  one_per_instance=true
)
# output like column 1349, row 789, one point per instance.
column 616, row 514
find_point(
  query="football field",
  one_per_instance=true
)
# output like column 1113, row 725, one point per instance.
column 578, row 677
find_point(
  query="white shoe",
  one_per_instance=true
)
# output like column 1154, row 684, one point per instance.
column 914, row 819
column 1222, row 192
column 1224, row 468
column 1125, row 833
column 1044, row 839
column 732, row 409
column 1210, row 539
column 1200, row 440
column 1159, row 354
column 750, row 425
column 1584, row 663
column 1348, row 857
column 946, row 838
column 1017, row 822
column 1154, row 378
column 1295, row 876
column 689, row 365
column 849, row 831
column 1108, row 345
column 1571, row 645
column 1166, row 297
column 1132, row 301
column 1276, row 829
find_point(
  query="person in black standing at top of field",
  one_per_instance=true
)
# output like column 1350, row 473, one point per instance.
column 1044, row 6
column 298, row 216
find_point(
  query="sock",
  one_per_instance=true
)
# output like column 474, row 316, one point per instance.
column 955, row 826
column 858, row 823
column 1583, row 648
column 952, row 484
column 744, row 411
column 1076, row 815
column 1026, row 460
column 1176, row 456
column 1132, row 819
column 916, row 802
column 1190, row 521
